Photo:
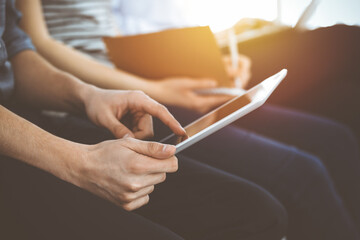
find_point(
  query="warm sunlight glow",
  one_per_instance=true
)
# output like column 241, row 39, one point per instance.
column 221, row 14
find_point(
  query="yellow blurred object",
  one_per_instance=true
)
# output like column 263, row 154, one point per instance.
column 185, row 52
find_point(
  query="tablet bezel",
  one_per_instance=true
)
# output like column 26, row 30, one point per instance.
column 268, row 85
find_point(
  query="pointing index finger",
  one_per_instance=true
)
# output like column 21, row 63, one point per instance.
column 158, row 110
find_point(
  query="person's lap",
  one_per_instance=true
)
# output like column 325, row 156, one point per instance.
column 214, row 206
column 262, row 162
column 198, row 202
column 284, row 170
column 333, row 143
column 298, row 180
column 40, row 206
column 263, row 156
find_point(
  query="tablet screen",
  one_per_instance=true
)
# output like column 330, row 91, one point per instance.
column 211, row 118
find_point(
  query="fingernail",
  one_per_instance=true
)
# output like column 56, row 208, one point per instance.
column 164, row 148
column 181, row 127
column 126, row 135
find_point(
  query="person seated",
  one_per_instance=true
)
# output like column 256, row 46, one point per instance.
column 275, row 166
column 42, row 174
column 322, row 63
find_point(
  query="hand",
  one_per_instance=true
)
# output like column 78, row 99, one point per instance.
column 244, row 69
column 134, row 109
column 124, row 171
column 181, row 92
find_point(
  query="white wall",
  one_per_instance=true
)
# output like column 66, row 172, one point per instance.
column 329, row 12
column 220, row 14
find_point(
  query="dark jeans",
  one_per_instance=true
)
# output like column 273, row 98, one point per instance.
column 324, row 72
column 197, row 202
column 334, row 145
column 200, row 201
column 300, row 179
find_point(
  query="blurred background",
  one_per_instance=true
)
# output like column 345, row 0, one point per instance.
column 322, row 54
column 223, row 14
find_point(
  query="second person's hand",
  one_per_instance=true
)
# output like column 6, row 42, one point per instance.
column 242, row 72
column 181, row 92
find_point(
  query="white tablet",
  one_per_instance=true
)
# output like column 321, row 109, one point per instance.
column 227, row 113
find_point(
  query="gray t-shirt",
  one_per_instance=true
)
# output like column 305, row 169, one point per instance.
column 12, row 41
column 81, row 24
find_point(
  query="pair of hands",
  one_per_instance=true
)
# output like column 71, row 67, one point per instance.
column 125, row 171
column 181, row 91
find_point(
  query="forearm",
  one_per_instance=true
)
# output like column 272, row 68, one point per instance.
column 24, row 141
column 71, row 60
column 41, row 85
column 86, row 68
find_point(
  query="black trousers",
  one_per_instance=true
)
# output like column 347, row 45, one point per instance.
column 197, row 202
column 203, row 202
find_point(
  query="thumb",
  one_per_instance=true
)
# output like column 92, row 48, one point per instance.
column 151, row 149
column 118, row 129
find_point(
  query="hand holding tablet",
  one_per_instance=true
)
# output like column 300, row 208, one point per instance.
column 227, row 113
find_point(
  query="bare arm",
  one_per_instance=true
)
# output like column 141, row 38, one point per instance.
column 123, row 171
column 173, row 91
column 70, row 60
column 23, row 140
column 41, row 85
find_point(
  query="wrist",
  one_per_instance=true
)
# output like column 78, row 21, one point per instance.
column 155, row 90
column 142, row 84
column 80, row 165
column 84, row 94
column 76, row 91
column 72, row 162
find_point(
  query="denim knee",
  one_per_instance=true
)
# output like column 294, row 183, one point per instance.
column 273, row 220
column 300, row 173
column 339, row 137
column 313, row 203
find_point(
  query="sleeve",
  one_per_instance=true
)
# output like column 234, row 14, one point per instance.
column 15, row 39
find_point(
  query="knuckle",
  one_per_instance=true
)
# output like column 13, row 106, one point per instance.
column 153, row 147
column 162, row 179
column 135, row 167
column 152, row 188
column 125, row 198
column 130, row 186
column 162, row 108
column 134, row 187
column 159, row 108
column 127, row 207
column 146, row 199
